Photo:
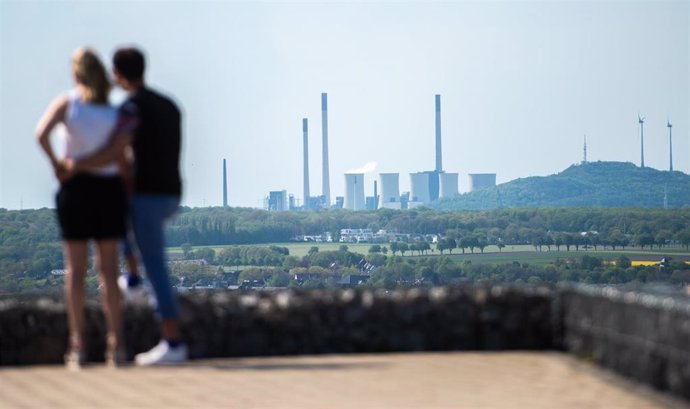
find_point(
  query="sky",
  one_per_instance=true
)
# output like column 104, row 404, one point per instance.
column 522, row 82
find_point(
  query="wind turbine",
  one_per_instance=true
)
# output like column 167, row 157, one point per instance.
column 640, row 119
column 670, row 145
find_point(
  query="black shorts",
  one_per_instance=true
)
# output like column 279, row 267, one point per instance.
column 92, row 207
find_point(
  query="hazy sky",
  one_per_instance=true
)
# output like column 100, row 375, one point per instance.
column 521, row 83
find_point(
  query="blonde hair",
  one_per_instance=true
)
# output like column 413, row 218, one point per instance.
column 91, row 75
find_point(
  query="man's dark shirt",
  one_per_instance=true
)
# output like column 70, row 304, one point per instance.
column 154, row 122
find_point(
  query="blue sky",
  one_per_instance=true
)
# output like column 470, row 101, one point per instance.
column 521, row 83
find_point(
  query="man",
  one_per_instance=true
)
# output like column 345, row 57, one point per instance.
column 150, row 123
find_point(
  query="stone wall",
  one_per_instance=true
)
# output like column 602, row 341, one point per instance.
column 228, row 324
column 642, row 336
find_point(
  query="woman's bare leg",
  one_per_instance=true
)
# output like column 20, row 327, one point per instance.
column 76, row 259
column 107, row 253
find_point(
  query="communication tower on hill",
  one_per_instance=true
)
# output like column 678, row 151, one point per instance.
column 640, row 120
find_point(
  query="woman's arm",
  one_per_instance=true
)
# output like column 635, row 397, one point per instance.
column 54, row 115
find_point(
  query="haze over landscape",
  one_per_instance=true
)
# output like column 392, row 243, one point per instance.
column 522, row 82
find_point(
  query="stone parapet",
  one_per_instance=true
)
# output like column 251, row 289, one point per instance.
column 642, row 336
column 289, row 322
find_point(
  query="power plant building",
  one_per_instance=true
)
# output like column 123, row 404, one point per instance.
column 390, row 191
column 482, row 181
column 448, row 185
column 277, row 201
column 354, row 191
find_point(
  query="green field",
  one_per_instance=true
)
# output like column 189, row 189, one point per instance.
column 519, row 253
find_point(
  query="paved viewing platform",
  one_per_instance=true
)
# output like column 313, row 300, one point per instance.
column 414, row 380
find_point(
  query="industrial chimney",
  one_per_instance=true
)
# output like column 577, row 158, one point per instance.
column 439, row 159
column 305, row 142
column 324, row 131
column 225, row 185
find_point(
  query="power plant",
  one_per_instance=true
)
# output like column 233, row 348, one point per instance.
column 425, row 186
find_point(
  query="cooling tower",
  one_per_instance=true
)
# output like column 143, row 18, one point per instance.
column 449, row 184
column 419, row 187
column 390, row 191
column 305, row 142
column 482, row 181
column 354, row 191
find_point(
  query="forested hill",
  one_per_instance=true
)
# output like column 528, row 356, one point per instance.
column 595, row 184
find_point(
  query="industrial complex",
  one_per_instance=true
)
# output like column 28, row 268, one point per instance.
column 425, row 186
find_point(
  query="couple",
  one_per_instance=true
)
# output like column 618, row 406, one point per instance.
column 92, row 202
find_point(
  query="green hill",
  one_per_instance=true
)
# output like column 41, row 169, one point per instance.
column 595, row 184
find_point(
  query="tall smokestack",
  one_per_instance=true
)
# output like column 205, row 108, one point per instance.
column 376, row 195
column 305, row 142
column 225, row 185
column 324, row 143
column 439, row 159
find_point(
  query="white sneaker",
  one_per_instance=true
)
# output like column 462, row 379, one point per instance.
column 162, row 354
column 137, row 294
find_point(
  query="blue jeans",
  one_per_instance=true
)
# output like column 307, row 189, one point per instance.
column 149, row 214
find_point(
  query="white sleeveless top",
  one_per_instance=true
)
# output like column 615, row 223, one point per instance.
column 89, row 127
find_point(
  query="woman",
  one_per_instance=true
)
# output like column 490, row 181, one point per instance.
column 90, row 205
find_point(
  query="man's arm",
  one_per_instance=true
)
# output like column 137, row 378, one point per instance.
column 111, row 152
column 127, row 124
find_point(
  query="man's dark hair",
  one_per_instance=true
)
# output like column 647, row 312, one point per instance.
column 129, row 62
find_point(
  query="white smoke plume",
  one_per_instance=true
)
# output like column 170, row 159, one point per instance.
column 367, row 168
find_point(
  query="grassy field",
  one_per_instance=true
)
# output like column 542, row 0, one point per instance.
column 520, row 253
